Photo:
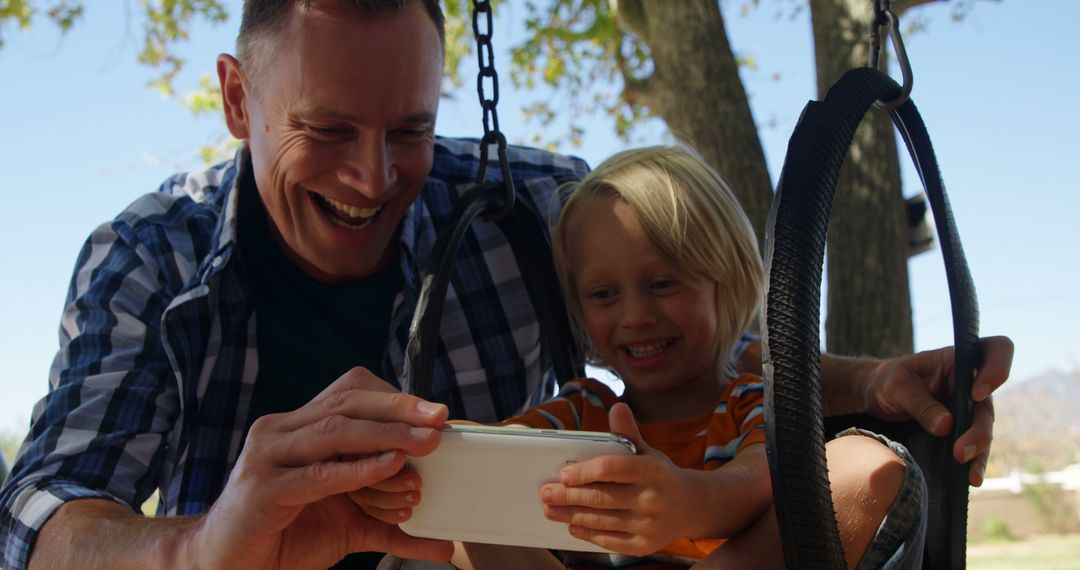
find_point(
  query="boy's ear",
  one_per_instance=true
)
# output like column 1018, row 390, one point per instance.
column 233, row 95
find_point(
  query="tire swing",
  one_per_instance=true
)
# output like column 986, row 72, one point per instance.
column 794, row 252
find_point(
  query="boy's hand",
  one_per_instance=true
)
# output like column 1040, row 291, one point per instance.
column 635, row 505
column 390, row 501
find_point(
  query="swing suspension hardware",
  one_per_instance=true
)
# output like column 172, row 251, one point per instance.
column 885, row 18
column 492, row 135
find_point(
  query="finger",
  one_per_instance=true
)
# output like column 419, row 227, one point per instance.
column 997, row 361
column 402, row 481
column 335, row 436
column 360, row 378
column 368, row 497
column 596, row 496
column 977, row 474
column 617, row 541
column 365, row 404
column 976, row 440
column 592, row 519
column 914, row 398
column 381, row 537
column 303, row 485
column 388, row 516
column 621, row 419
column 603, row 469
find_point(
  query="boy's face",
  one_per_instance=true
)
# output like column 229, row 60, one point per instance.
column 657, row 330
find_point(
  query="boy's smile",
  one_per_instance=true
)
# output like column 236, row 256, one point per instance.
column 655, row 327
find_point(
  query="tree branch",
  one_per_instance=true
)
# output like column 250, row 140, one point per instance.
column 632, row 15
column 636, row 90
column 901, row 7
column 906, row 5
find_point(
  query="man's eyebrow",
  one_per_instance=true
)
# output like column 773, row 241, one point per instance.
column 421, row 118
column 322, row 113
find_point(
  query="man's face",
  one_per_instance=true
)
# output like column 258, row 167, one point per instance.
column 341, row 131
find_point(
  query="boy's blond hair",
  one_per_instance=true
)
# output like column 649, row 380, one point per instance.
column 691, row 219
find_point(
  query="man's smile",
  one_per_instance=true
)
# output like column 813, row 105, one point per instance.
column 344, row 215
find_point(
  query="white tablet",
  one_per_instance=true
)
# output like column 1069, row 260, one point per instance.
column 482, row 484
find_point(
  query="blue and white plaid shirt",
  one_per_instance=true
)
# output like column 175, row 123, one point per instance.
column 155, row 373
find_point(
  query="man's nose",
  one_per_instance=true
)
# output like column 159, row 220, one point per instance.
column 369, row 168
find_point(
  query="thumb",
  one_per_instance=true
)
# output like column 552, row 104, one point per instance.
column 913, row 397
column 621, row 420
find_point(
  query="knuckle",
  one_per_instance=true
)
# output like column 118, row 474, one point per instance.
column 263, row 425
column 398, row 400
column 390, row 432
column 318, row 473
column 585, row 519
column 605, row 466
column 357, row 372
column 329, row 425
column 336, row 402
column 651, row 501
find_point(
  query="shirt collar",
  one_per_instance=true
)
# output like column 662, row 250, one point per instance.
column 227, row 201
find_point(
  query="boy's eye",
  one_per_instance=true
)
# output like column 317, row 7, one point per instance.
column 662, row 284
column 600, row 294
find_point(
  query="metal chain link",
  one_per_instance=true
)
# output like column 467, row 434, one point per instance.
column 492, row 135
column 884, row 16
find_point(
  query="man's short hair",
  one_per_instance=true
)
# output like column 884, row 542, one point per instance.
column 263, row 19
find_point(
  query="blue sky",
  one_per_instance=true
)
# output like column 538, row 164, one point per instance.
column 81, row 137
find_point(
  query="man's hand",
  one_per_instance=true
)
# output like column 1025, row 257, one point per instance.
column 634, row 504
column 286, row 503
column 914, row 387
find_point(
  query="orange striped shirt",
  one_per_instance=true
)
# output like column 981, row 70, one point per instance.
column 706, row 441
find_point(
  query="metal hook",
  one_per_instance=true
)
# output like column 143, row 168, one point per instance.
column 884, row 16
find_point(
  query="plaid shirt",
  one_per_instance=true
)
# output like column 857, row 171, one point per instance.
column 155, row 373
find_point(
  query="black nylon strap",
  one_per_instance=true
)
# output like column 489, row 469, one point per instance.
column 529, row 242
column 794, row 252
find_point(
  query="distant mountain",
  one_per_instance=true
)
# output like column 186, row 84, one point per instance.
column 1037, row 423
column 1058, row 390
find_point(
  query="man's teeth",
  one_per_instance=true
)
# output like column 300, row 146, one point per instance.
column 646, row 350
column 352, row 211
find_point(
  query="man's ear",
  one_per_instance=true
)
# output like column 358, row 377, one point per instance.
column 233, row 96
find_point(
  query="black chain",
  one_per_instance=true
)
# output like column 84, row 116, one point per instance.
column 492, row 135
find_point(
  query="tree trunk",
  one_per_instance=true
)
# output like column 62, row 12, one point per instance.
column 696, row 89
column 869, row 305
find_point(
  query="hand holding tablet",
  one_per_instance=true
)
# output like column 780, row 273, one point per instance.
column 482, row 484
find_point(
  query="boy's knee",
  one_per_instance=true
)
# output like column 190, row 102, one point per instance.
column 866, row 477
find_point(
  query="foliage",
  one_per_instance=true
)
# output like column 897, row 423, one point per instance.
column 1046, row 499
column 165, row 24
column 169, row 22
column 996, row 529
column 63, row 13
column 9, row 446
column 576, row 44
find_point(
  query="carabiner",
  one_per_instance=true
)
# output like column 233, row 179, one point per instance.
column 876, row 45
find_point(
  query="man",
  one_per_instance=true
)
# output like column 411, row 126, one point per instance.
column 214, row 329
